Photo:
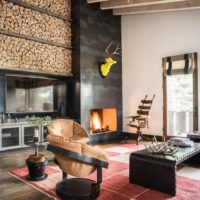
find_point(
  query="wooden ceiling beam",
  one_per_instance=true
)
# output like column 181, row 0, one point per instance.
column 96, row 1
column 132, row 3
column 175, row 6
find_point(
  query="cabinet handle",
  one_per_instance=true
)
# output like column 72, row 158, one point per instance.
column 6, row 134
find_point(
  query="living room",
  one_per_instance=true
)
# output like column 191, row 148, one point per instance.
column 86, row 68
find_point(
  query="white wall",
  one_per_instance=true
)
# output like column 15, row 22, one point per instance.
column 146, row 39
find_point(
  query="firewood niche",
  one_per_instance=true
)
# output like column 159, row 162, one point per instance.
column 103, row 120
column 36, row 36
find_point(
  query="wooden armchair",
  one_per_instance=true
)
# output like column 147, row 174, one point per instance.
column 78, row 159
column 141, row 120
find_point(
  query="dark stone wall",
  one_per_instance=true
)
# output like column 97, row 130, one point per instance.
column 95, row 29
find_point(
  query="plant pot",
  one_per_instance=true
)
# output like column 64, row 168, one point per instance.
column 36, row 170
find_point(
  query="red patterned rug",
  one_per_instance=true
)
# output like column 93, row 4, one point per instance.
column 115, row 185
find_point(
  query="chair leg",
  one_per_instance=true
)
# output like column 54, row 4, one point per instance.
column 140, row 137
column 64, row 175
column 96, row 186
column 125, row 138
column 137, row 141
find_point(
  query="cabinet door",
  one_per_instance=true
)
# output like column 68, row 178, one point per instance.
column 10, row 137
column 44, row 133
column 28, row 133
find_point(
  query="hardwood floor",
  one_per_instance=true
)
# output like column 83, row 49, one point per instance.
column 12, row 188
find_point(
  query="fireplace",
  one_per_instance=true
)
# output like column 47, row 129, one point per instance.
column 103, row 120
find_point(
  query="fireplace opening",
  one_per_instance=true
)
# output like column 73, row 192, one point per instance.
column 103, row 120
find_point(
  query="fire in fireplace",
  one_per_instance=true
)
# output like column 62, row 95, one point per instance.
column 103, row 120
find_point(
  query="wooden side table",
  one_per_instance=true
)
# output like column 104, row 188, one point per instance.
column 36, row 167
column 36, row 163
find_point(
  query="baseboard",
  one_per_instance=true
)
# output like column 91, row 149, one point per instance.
column 134, row 136
column 15, row 151
column 105, row 138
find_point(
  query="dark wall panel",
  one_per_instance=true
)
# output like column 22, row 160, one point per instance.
column 97, row 29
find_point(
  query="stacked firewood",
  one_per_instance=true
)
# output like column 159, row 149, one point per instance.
column 22, row 30
column 22, row 54
column 61, row 7
column 25, row 21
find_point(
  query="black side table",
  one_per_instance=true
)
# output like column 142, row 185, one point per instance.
column 157, row 171
column 36, row 169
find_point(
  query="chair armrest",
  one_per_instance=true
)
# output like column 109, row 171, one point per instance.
column 77, row 156
column 134, row 117
column 143, row 118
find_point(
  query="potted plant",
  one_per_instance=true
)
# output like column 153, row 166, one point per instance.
column 37, row 161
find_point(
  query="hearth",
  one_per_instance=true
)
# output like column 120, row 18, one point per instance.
column 103, row 120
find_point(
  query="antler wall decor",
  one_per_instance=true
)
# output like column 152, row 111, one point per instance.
column 109, row 61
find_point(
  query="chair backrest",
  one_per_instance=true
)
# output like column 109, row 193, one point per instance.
column 144, row 109
column 66, row 128
column 61, row 127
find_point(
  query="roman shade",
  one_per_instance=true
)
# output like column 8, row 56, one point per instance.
column 177, row 65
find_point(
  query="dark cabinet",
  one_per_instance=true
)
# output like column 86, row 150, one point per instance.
column 10, row 137
column 17, row 135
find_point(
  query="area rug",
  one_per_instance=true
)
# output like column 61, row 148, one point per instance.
column 115, row 185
